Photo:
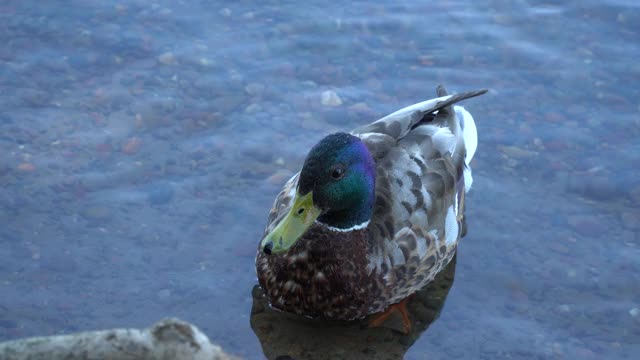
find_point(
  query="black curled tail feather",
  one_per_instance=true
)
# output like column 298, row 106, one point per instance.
column 444, row 107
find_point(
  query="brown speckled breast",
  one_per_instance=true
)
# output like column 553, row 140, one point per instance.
column 323, row 274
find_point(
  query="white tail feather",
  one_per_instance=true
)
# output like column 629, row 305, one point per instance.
column 468, row 179
column 470, row 136
column 469, row 132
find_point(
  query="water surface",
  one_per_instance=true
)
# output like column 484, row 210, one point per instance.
column 143, row 144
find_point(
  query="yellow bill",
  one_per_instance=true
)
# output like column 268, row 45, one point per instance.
column 299, row 219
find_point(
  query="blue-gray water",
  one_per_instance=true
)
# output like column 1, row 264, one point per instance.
column 143, row 143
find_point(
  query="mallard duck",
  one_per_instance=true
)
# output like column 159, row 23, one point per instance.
column 373, row 215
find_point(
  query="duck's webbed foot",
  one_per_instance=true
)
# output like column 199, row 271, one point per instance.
column 378, row 319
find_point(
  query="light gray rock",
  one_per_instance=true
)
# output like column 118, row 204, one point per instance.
column 169, row 339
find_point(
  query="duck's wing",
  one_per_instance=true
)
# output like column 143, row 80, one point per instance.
column 422, row 154
column 399, row 123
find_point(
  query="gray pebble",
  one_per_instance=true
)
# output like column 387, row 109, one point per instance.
column 160, row 194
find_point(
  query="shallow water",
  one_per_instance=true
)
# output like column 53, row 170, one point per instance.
column 144, row 143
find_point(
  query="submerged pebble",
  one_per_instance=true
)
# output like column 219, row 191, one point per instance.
column 330, row 98
column 132, row 146
column 160, row 194
column 167, row 58
column 164, row 295
column 26, row 167
column 594, row 186
column 564, row 308
column 97, row 213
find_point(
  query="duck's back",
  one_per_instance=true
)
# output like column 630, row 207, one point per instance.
column 422, row 154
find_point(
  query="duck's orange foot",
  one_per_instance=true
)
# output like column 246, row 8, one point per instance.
column 401, row 308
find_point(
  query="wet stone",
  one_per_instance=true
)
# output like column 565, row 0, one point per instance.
column 164, row 295
column 132, row 146
column 160, row 194
column 564, row 308
column 167, row 58
column 97, row 213
column 330, row 98
column 596, row 187
column 26, row 167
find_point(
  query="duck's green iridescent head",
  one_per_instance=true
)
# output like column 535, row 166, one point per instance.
column 336, row 187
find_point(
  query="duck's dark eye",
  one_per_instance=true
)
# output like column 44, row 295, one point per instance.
column 337, row 172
